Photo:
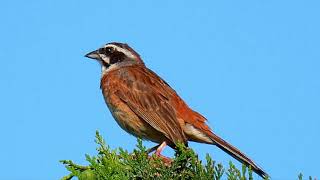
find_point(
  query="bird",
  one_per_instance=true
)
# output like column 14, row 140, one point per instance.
column 146, row 106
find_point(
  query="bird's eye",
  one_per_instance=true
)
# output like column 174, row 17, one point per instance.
column 107, row 50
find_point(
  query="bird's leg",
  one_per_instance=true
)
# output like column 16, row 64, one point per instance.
column 160, row 148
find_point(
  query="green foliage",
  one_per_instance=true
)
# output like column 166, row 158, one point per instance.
column 300, row 177
column 120, row 164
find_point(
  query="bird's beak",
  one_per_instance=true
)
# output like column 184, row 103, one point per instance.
column 93, row 55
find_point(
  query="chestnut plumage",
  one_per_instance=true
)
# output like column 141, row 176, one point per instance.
column 144, row 105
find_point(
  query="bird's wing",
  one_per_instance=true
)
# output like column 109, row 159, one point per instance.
column 145, row 94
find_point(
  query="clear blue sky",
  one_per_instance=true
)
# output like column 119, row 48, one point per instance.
column 250, row 67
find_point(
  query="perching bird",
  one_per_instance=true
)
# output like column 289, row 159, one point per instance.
column 146, row 106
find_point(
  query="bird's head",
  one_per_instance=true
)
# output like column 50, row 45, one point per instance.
column 114, row 54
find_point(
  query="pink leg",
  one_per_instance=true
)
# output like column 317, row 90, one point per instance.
column 160, row 148
column 158, row 153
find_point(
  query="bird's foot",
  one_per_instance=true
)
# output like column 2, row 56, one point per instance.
column 158, row 154
column 166, row 160
column 160, row 148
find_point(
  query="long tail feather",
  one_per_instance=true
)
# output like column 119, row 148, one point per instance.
column 237, row 154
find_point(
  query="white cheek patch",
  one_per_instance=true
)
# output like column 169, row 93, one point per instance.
column 128, row 53
column 105, row 58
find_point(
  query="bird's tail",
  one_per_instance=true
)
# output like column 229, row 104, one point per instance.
column 237, row 154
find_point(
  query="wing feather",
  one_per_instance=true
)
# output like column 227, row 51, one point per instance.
column 145, row 94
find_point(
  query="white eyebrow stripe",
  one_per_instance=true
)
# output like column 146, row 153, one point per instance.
column 124, row 51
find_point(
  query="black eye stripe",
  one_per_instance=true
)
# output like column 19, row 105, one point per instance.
column 101, row 51
column 106, row 50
